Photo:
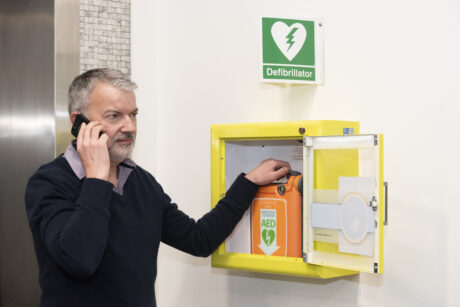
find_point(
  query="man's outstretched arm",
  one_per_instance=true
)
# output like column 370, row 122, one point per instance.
column 201, row 238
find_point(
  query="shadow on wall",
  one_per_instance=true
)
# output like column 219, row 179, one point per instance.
column 416, row 246
column 297, row 99
column 279, row 102
column 258, row 289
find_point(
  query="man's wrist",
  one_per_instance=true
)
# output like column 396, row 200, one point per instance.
column 250, row 177
column 97, row 175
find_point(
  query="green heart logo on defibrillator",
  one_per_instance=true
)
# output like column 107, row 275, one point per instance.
column 268, row 236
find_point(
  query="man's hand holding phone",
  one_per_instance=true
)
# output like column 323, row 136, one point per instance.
column 93, row 150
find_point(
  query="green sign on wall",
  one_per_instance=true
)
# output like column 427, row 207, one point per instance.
column 291, row 50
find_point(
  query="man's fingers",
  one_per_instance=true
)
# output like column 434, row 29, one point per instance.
column 277, row 164
column 93, row 150
column 85, row 130
column 80, row 135
column 268, row 171
column 96, row 131
column 104, row 138
column 282, row 164
column 281, row 172
column 280, row 168
column 89, row 132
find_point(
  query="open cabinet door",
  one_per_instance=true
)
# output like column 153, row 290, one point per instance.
column 343, row 205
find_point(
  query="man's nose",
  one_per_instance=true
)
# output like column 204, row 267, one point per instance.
column 129, row 124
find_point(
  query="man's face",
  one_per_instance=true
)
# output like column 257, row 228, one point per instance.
column 116, row 110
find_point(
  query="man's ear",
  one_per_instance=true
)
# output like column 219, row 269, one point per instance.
column 73, row 115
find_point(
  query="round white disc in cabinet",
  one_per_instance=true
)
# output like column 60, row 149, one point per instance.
column 354, row 217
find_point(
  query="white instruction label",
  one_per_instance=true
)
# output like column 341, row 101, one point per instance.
column 297, row 152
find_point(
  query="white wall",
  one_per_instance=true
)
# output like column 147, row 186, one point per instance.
column 392, row 65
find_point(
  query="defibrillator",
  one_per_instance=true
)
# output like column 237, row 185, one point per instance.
column 276, row 218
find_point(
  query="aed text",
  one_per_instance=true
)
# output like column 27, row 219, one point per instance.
column 268, row 223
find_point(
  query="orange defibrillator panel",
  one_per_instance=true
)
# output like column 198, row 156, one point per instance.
column 276, row 219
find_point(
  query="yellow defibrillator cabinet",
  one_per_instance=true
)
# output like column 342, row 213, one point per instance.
column 342, row 206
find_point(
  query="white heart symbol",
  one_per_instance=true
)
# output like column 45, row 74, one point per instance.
column 289, row 39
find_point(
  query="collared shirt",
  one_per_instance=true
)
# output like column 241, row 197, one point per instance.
column 124, row 168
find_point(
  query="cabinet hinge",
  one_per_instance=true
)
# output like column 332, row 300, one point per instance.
column 307, row 142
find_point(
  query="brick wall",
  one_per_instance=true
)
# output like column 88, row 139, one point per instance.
column 105, row 34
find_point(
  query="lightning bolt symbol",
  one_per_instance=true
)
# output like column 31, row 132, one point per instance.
column 272, row 236
column 290, row 38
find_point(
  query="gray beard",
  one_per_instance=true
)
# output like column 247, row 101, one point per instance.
column 118, row 157
column 118, row 153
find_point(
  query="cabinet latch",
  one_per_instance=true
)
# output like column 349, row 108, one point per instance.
column 373, row 203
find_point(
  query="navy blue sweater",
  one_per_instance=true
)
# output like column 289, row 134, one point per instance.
column 98, row 248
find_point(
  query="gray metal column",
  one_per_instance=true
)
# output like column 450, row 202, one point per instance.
column 67, row 57
column 30, row 115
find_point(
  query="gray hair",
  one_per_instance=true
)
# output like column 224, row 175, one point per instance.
column 83, row 85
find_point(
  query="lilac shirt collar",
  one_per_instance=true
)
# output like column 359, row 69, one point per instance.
column 124, row 168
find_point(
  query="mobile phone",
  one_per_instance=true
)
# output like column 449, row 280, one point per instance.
column 79, row 119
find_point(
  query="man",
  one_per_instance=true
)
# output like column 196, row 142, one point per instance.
column 97, row 218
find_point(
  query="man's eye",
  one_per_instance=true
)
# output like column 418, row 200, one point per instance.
column 112, row 116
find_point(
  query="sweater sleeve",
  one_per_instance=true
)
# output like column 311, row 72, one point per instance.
column 74, row 233
column 201, row 238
